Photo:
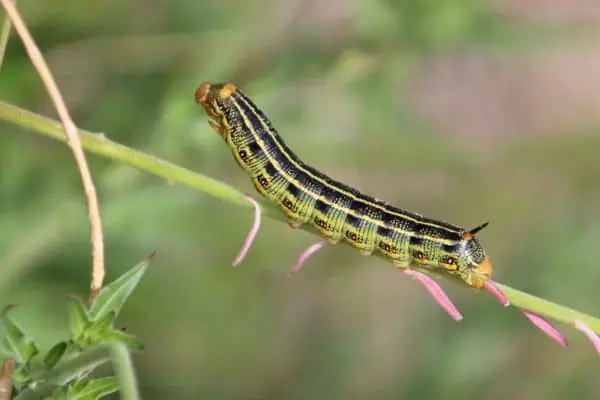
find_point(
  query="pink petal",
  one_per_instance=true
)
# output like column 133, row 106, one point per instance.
column 587, row 331
column 436, row 291
column 491, row 287
column 547, row 328
column 251, row 234
column 306, row 254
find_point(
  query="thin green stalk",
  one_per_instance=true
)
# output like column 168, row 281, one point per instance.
column 121, row 359
column 98, row 144
column 547, row 308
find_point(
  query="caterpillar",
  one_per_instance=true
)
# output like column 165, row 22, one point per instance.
column 339, row 212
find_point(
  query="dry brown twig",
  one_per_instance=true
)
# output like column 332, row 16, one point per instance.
column 5, row 381
column 73, row 141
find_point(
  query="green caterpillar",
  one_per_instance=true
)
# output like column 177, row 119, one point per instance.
column 337, row 211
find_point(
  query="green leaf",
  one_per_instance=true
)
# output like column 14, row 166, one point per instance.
column 20, row 378
column 27, row 349
column 15, row 338
column 5, row 348
column 113, row 296
column 102, row 325
column 55, row 354
column 76, row 386
column 95, row 389
column 74, row 367
column 132, row 342
column 59, row 394
column 79, row 319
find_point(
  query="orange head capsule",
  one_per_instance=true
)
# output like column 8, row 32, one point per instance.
column 465, row 260
column 212, row 98
column 202, row 92
column 208, row 93
column 473, row 265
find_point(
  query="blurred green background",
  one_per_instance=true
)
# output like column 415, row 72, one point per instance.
column 462, row 110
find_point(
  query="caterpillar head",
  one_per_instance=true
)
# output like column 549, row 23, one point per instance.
column 470, row 263
column 212, row 98
column 473, row 265
column 463, row 259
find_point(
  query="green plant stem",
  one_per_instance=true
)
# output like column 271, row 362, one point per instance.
column 98, row 144
column 121, row 359
column 547, row 308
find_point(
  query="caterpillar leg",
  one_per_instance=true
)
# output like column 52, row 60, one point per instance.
column 306, row 254
column 401, row 263
column 294, row 224
column 436, row 291
column 251, row 234
column 216, row 127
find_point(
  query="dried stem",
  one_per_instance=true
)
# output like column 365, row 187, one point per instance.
column 4, row 35
column 73, row 141
column 6, row 381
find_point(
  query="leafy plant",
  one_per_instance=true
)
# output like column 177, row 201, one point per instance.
column 65, row 370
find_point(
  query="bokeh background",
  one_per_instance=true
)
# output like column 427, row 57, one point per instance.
column 463, row 110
